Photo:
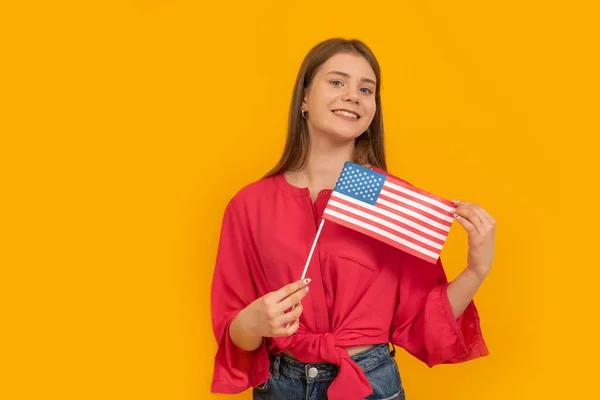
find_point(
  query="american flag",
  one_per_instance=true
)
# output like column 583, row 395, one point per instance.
column 390, row 210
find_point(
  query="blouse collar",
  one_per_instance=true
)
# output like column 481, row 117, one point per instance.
column 287, row 187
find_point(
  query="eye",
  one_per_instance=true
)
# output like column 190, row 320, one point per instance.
column 336, row 83
column 366, row 90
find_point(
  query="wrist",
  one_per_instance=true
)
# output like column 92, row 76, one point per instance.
column 242, row 334
column 241, row 324
column 477, row 273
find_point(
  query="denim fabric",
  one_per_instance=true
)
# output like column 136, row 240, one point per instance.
column 290, row 379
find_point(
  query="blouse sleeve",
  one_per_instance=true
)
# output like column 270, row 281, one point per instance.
column 424, row 324
column 233, row 288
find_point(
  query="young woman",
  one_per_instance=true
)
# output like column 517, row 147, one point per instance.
column 364, row 294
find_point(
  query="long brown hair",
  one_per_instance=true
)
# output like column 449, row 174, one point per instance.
column 368, row 148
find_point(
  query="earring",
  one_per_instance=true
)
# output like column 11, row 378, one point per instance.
column 304, row 114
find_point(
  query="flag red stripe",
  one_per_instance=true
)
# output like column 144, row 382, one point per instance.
column 405, row 184
column 413, row 219
column 391, row 220
column 416, row 200
column 415, row 209
column 387, row 229
column 380, row 238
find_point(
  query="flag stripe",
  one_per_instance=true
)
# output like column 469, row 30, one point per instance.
column 391, row 213
column 420, row 194
column 386, row 226
column 414, row 222
column 441, row 229
column 424, row 209
column 413, row 213
column 424, row 204
column 392, row 220
column 386, row 237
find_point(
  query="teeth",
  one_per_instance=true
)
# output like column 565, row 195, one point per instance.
column 345, row 114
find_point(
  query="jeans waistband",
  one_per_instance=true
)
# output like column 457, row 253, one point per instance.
column 280, row 364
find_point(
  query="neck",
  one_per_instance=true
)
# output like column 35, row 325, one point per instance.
column 324, row 164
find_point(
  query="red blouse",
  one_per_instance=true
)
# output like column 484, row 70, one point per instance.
column 363, row 291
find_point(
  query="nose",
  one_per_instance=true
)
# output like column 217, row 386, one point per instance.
column 350, row 97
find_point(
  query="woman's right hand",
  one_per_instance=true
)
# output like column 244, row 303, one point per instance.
column 267, row 317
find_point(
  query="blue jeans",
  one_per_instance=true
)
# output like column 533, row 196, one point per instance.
column 290, row 379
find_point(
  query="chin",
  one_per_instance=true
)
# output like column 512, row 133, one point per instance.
column 341, row 132
column 343, row 135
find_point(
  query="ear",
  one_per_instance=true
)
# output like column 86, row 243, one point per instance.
column 303, row 107
column 305, row 99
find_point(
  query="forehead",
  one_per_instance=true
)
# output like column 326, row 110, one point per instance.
column 352, row 64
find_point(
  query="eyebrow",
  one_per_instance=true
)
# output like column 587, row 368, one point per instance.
column 348, row 76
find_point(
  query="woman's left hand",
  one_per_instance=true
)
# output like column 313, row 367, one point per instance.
column 481, row 228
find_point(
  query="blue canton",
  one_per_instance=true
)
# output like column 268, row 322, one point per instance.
column 360, row 183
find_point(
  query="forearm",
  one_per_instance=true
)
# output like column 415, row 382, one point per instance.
column 241, row 337
column 462, row 289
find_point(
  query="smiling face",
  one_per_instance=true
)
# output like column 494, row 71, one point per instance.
column 340, row 100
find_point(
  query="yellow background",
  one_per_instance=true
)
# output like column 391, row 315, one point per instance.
column 127, row 125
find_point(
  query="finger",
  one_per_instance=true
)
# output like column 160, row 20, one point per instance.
column 460, row 206
column 483, row 214
column 467, row 212
column 294, row 298
column 283, row 331
column 490, row 219
column 291, row 316
column 485, row 223
column 287, row 290
column 469, row 227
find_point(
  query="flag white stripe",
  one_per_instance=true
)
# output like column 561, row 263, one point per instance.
column 418, row 196
column 403, row 220
column 382, row 233
column 385, row 223
column 414, row 214
column 417, row 205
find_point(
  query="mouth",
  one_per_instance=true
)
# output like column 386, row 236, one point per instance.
column 346, row 114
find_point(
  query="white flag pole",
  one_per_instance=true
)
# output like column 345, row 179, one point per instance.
column 312, row 249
